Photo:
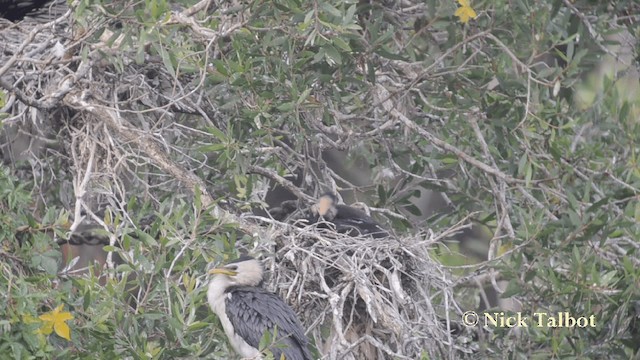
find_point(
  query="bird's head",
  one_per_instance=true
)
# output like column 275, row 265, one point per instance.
column 244, row 271
column 326, row 206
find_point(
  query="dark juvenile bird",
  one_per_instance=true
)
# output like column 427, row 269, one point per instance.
column 346, row 219
column 44, row 10
column 247, row 311
column 284, row 211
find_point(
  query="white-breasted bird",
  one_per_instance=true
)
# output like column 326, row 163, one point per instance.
column 247, row 311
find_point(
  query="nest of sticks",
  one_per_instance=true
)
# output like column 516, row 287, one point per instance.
column 365, row 298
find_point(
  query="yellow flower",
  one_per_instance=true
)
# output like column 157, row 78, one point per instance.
column 56, row 320
column 465, row 12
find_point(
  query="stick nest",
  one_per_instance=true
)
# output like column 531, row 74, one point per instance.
column 365, row 298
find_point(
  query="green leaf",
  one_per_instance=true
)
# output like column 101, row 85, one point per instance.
column 513, row 288
column 86, row 300
column 197, row 199
column 198, row 325
column 123, row 268
column 351, row 10
column 286, row 107
column 168, row 61
column 608, row 278
column 449, row 159
column 339, row 42
column 217, row 133
column 414, row 210
column 624, row 112
column 528, row 174
column 220, row 67
column 382, row 194
column 213, row 147
column 326, row 6
column 303, row 96
column 332, row 55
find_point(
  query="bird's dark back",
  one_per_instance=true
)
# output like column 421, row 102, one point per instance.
column 254, row 310
column 352, row 221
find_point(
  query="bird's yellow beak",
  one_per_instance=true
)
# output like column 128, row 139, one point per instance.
column 324, row 204
column 223, row 271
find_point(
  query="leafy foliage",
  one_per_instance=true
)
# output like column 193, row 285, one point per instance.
column 525, row 118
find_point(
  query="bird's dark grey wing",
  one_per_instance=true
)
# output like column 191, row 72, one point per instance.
column 357, row 227
column 349, row 212
column 353, row 221
column 282, row 212
column 252, row 311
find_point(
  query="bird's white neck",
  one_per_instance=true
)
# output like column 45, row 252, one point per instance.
column 215, row 294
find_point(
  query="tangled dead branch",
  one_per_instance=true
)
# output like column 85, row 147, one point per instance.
column 67, row 95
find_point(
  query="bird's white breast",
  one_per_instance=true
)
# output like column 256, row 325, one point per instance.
column 216, row 300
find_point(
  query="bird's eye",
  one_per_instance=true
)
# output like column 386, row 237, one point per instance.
column 232, row 267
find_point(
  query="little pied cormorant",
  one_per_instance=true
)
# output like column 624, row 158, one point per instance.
column 247, row 311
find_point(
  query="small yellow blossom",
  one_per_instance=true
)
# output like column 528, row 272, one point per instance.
column 465, row 11
column 56, row 320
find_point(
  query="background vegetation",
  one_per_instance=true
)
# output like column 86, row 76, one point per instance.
column 519, row 129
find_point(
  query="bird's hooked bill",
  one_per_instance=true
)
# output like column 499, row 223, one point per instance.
column 223, row 271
